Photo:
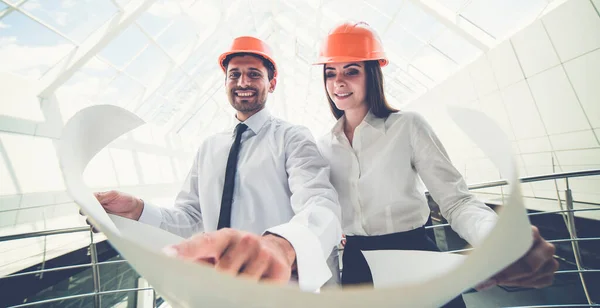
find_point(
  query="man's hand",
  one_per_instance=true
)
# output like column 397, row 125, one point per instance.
column 122, row 204
column 534, row 270
column 118, row 203
column 239, row 253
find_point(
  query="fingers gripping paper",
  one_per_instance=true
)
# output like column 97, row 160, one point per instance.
column 186, row 284
column 507, row 242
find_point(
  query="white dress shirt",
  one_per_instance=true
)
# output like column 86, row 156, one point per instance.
column 281, row 186
column 378, row 178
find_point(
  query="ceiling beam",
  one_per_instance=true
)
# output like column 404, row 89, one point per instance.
column 474, row 35
column 64, row 70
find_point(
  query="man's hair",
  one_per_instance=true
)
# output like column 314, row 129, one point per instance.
column 375, row 97
column 270, row 67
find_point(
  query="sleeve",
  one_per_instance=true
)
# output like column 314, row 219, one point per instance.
column 185, row 218
column 468, row 216
column 315, row 229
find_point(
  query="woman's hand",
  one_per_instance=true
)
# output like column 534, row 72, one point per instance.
column 534, row 270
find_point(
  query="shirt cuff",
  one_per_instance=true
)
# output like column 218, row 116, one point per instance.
column 313, row 271
column 486, row 226
column 151, row 215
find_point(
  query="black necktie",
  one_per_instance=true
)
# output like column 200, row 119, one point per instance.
column 227, row 199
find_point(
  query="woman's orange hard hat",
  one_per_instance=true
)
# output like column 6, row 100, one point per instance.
column 352, row 42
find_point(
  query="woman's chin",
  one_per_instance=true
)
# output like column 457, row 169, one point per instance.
column 346, row 106
column 343, row 106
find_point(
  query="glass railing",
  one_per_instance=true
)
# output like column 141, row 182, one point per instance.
column 113, row 283
column 97, row 277
column 562, row 230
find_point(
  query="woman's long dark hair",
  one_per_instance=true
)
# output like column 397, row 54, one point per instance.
column 375, row 97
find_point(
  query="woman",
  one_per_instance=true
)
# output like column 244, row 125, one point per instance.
column 378, row 156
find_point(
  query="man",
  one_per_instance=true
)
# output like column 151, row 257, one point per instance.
column 258, row 195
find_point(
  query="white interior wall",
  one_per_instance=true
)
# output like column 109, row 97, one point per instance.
column 542, row 87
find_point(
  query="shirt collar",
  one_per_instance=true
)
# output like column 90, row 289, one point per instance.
column 375, row 122
column 339, row 125
column 370, row 119
column 255, row 122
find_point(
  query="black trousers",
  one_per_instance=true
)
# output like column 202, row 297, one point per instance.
column 356, row 270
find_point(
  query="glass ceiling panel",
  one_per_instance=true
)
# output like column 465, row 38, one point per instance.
column 411, row 83
column 153, row 24
column 305, row 52
column 453, row 5
column 122, row 91
column 386, row 7
column 420, row 76
column 340, row 9
column 196, row 60
column 173, row 82
column 417, row 22
column 164, row 64
column 260, row 8
column 122, row 3
column 185, row 93
column 402, row 43
column 149, row 109
column 435, row 64
column 149, row 66
column 75, row 18
column 177, row 37
column 123, row 48
column 455, row 47
column 29, row 49
column 202, row 119
column 79, row 91
column 373, row 16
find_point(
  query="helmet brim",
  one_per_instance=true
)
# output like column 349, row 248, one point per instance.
column 341, row 59
column 258, row 53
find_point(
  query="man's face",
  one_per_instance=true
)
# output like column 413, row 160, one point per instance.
column 247, row 84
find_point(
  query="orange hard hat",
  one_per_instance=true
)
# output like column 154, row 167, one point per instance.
column 351, row 42
column 249, row 44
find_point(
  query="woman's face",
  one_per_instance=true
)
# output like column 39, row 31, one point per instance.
column 346, row 84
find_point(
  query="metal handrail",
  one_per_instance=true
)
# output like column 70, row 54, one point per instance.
column 42, row 233
column 537, row 178
column 80, row 296
column 579, row 239
column 62, row 268
column 553, row 306
column 578, row 271
column 458, row 250
column 563, row 211
column 528, row 214
column 566, row 240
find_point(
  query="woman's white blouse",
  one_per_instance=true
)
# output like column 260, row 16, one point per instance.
column 378, row 178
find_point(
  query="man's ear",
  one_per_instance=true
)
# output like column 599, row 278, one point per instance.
column 272, row 84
